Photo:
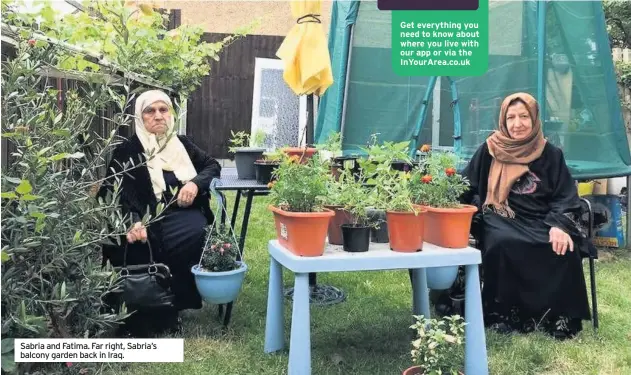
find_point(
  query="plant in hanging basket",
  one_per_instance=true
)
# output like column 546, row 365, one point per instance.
column 438, row 347
column 298, row 197
column 219, row 274
column 438, row 186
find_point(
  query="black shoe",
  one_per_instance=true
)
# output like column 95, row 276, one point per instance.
column 563, row 328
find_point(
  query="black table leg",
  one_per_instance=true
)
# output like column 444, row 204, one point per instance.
column 235, row 210
column 244, row 231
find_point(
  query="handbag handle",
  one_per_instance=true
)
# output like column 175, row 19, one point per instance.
column 150, row 254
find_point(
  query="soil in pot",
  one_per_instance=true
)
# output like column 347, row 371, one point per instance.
column 244, row 158
column 264, row 170
column 335, row 225
column 449, row 227
column 379, row 226
column 356, row 237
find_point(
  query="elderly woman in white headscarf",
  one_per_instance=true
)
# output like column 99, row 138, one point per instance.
column 167, row 161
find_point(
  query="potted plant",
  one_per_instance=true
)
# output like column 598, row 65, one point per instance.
column 265, row 167
column 438, row 347
column 392, row 194
column 356, row 197
column 219, row 275
column 297, row 196
column 333, row 201
column 439, row 189
column 246, row 151
column 331, row 148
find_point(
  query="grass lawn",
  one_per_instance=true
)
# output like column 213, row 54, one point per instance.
column 368, row 333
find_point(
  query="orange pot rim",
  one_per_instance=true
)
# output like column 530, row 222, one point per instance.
column 421, row 210
column 326, row 213
column 464, row 208
column 299, row 149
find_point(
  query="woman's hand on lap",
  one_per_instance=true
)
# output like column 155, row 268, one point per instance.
column 137, row 232
column 187, row 194
column 561, row 241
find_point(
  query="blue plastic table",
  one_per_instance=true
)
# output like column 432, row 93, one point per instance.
column 378, row 257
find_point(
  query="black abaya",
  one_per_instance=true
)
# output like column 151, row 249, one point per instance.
column 526, row 284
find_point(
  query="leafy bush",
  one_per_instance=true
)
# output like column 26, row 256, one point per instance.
column 438, row 346
column 133, row 37
column 300, row 187
column 52, row 225
column 437, row 183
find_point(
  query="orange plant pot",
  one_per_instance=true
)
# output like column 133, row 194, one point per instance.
column 335, row 224
column 302, row 233
column 405, row 230
column 304, row 153
column 449, row 227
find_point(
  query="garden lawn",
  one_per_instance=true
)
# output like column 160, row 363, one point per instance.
column 368, row 333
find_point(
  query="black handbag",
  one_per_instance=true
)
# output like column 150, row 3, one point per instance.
column 145, row 286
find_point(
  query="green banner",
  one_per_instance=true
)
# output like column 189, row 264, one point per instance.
column 441, row 43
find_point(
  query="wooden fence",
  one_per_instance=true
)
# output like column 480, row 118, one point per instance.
column 223, row 102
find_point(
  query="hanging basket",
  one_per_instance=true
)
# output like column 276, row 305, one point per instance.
column 219, row 287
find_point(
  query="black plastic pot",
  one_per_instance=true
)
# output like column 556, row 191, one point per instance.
column 379, row 228
column 356, row 238
column 264, row 171
column 400, row 165
column 244, row 158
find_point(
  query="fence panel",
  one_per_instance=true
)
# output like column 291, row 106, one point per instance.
column 223, row 102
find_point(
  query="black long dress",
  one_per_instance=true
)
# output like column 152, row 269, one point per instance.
column 176, row 239
column 526, row 284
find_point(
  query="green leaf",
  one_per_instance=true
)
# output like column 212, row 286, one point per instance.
column 8, row 195
column 12, row 180
column 62, row 294
column 43, row 151
column 29, row 197
column 4, row 257
column 62, row 132
column 58, row 157
column 76, row 155
column 58, row 118
column 38, row 215
column 8, row 363
column 24, row 187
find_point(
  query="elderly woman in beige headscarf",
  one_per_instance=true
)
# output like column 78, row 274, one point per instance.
column 168, row 161
column 530, row 243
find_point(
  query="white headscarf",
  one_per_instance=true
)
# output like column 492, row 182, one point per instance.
column 173, row 157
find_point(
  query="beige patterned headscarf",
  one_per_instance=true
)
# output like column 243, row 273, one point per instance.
column 169, row 157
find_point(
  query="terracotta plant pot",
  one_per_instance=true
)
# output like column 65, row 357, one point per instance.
column 416, row 370
column 405, row 230
column 304, row 153
column 335, row 224
column 449, row 227
column 302, row 233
